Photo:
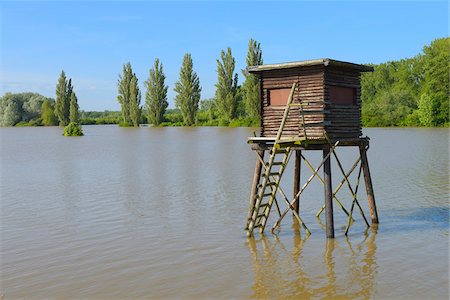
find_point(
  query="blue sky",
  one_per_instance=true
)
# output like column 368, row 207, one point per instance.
column 91, row 41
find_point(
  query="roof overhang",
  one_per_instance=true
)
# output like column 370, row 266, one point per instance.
column 307, row 63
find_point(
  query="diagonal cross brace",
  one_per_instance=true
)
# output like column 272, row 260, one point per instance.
column 290, row 205
column 355, row 201
column 338, row 188
column 350, row 219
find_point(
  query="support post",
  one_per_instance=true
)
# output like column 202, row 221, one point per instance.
column 328, row 192
column 368, row 183
column 297, row 170
column 256, row 177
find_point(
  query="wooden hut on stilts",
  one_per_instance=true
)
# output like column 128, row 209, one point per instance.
column 307, row 105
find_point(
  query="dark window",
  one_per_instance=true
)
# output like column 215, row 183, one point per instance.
column 342, row 95
column 278, row 97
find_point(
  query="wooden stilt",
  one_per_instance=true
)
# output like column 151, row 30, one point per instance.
column 328, row 192
column 255, row 183
column 368, row 182
column 298, row 159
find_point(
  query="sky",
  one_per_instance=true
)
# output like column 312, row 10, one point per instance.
column 91, row 41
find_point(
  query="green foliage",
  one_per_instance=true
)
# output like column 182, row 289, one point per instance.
column 98, row 117
column 156, row 95
column 135, row 101
column 409, row 92
column 34, row 122
column 11, row 112
column 73, row 129
column 188, row 91
column 227, row 96
column 208, row 110
column 74, row 114
column 21, row 107
column 426, row 110
column 244, row 122
column 250, row 87
column 436, row 86
column 129, row 96
column 48, row 115
column 389, row 108
column 63, row 93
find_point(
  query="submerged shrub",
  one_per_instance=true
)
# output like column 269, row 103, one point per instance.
column 73, row 129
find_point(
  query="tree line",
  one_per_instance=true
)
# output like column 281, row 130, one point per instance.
column 231, row 101
column 407, row 92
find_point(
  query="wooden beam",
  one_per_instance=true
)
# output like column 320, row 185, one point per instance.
column 298, row 159
column 368, row 183
column 328, row 192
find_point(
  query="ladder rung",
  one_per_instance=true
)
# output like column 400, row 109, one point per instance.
column 275, row 163
column 268, row 194
column 271, row 183
column 264, row 205
column 260, row 216
column 280, row 150
column 257, row 226
column 273, row 174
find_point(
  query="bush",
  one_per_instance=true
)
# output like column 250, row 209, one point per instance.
column 173, row 117
column 125, row 124
column 224, row 122
column 73, row 129
column 245, row 122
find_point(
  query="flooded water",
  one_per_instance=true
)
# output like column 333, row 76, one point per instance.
column 125, row 213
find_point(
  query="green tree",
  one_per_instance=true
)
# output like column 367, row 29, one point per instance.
column 10, row 113
column 135, row 101
column 74, row 114
column 21, row 107
column 250, row 87
column 426, row 115
column 436, row 74
column 124, row 89
column 410, row 92
column 156, row 94
column 227, row 96
column 48, row 115
column 63, row 90
column 188, row 91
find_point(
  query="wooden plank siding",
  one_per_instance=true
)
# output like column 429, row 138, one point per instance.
column 311, row 81
column 345, row 119
column 336, row 120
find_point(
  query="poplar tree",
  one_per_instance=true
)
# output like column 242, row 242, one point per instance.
column 188, row 91
column 124, row 87
column 48, row 115
column 156, row 94
column 250, row 87
column 62, row 99
column 226, row 87
column 74, row 113
column 135, row 101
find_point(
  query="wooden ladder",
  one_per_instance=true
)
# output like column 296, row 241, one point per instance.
column 267, row 189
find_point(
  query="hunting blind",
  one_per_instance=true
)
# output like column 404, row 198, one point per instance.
column 307, row 105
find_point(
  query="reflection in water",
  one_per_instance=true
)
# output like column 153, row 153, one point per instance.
column 345, row 270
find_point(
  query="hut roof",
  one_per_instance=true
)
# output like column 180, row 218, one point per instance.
column 305, row 63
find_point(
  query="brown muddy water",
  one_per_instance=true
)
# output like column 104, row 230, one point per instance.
column 126, row 213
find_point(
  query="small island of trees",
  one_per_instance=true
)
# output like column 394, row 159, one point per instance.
column 407, row 92
column 66, row 107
